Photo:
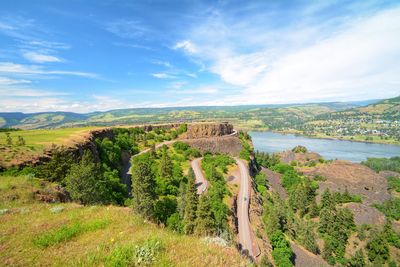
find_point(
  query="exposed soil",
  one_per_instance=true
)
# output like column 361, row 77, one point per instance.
column 304, row 258
column 364, row 214
column 387, row 174
column 357, row 178
column 274, row 182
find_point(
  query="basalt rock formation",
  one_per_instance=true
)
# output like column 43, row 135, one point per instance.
column 203, row 130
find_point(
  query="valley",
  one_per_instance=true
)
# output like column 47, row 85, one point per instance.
column 201, row 181
column 374, row 121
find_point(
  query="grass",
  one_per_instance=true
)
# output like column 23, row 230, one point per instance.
column 92, row 236
column 67, row 232
column 36, row 141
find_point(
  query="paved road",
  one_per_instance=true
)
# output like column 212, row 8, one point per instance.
column 246, row 236
column 201, row 181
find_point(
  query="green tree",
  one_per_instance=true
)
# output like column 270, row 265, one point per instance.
column 84, row 181
column 164, row 207
column 143, row 185
column 191, row 198
column 56, row 169
column 205, row 223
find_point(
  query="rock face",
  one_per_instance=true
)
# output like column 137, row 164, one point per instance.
column 221, row 144
column 201, row 130
column 357, row 178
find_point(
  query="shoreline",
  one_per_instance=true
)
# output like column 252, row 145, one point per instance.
column 327, row 138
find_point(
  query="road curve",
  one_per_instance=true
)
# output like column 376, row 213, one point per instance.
column 246, row 236
column 201, row 181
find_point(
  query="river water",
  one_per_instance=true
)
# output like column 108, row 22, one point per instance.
column 329, row 149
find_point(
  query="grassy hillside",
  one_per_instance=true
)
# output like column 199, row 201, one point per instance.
column 371, row 121
column 67, row 234
column 36, row 141
column 245, row 116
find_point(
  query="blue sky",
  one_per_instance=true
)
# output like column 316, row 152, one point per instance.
column 85, row 56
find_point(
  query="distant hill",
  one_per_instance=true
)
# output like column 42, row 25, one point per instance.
column 246, row 116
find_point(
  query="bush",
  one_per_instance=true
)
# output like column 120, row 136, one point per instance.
column 378, row 249
column 383, row 164
column 281, row 250
column 140, row 255
column 391, row 208
column 394, row 183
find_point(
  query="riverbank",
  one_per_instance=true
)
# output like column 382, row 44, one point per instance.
column 357, row 138
column 329, row 148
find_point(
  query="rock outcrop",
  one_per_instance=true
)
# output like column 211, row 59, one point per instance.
column 202, row 130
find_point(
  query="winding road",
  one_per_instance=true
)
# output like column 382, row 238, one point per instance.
column 246, row 236
column 201, row 181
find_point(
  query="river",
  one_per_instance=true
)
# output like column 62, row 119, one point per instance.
column 329, row 149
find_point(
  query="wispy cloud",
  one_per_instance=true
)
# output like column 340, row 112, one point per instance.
column 206, row 90
column 9, row 81
column 162, row 75
column 126, row 28
column 40, row 58
column 20, row 69
column 187, row 45
column 28, row 92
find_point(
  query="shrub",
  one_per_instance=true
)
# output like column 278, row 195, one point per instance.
column 299, row 149
column 281, row 251
column 383, row 164
column 391, row 208
column 394, row 183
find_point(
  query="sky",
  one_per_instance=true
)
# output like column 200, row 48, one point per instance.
column 97, row 55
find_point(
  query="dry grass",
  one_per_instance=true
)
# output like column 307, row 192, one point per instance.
column 37, row 141
column 26, row 221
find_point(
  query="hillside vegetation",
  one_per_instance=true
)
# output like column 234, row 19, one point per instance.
column 372, row 121
column 67, row 234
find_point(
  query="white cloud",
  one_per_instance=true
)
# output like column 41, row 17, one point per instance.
column 40, row 58
column 341, row 58
column 206, row 90
column 27, row 92
column 162, row 75
column 187, row 46
column 9, row 81
column 358, row 63
column 19, row 69
column 163, row 63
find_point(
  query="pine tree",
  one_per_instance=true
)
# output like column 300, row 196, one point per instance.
column 166, row 166
column 143, row 187
column 191, row 204
column 181, row 199
column 205, row 220
column 84, row 181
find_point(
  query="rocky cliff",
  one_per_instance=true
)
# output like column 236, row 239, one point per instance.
column 202, row 130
